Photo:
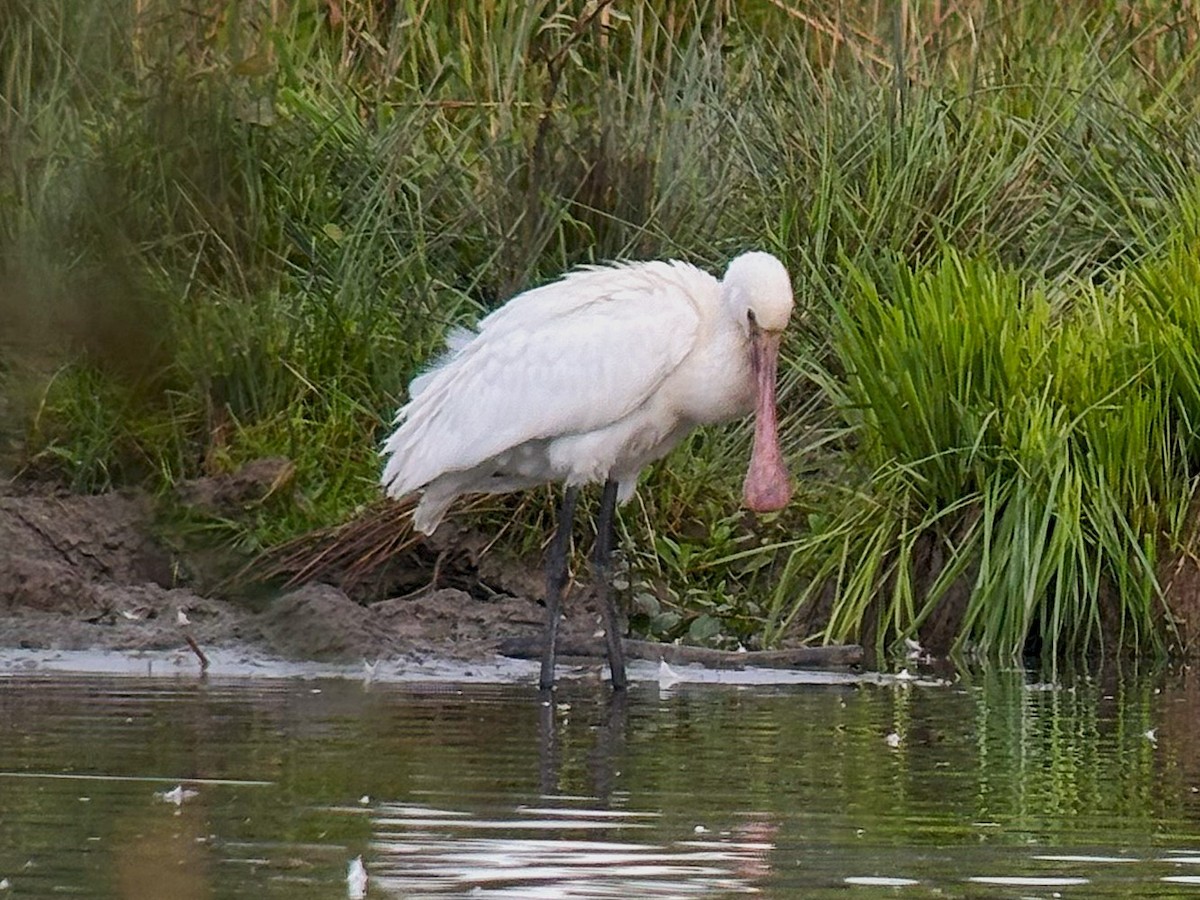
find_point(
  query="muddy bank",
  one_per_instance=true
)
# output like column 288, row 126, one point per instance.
column 95, row 573
column 89, row 572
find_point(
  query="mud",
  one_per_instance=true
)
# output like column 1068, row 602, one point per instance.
column 95, row 573
column 92, row 573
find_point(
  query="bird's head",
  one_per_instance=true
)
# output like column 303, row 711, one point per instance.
column 758, row 291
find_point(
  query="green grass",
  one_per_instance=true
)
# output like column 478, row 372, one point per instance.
column 1033, row 434
column 230, row 230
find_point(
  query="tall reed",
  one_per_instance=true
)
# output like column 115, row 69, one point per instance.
column 236, row 229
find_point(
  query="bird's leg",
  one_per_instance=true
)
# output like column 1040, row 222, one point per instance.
column 556, row 581
column 602, row 566
column 547, row 746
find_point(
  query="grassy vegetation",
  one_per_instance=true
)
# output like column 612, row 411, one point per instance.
column 232, row 229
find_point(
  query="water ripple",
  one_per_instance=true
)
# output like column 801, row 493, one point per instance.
column 422, row 851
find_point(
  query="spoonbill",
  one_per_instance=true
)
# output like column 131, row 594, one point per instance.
column 590, row 379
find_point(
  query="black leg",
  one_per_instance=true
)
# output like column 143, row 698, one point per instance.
column 602, row 566
column 556, row 581
column 547, row 745
column 606, row 753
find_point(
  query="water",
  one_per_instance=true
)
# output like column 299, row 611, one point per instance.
column 172, row 787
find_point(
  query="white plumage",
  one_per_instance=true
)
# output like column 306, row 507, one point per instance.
column 588, row 378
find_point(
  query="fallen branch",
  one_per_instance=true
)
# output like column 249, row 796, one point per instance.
column 836, row 656
column 191, row 642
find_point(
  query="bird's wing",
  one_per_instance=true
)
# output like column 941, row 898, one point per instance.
column 588, row 285
column 528, row 377
column 456, row 341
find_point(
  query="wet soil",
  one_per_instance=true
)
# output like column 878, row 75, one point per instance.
column 96, row 573
column 92, row 572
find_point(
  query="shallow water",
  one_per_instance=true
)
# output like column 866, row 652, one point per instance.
column 996, row 786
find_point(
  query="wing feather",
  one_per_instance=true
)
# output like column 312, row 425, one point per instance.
column 567, row 358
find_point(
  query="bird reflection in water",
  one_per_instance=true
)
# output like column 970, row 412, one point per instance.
column 565, row 844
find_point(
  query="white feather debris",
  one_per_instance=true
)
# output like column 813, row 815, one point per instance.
column 356, row 879
column 369, row 670
column 177, row 795
column 666, row 675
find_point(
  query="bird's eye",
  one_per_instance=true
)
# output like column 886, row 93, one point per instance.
column 750, row 316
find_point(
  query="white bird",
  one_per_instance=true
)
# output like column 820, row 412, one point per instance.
column 590, row 379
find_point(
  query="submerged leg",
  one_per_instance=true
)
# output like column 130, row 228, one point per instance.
column 556, row 581
column 602, row 566
column 547, row 746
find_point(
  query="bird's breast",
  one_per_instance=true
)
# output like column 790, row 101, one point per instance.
column 716, row 383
